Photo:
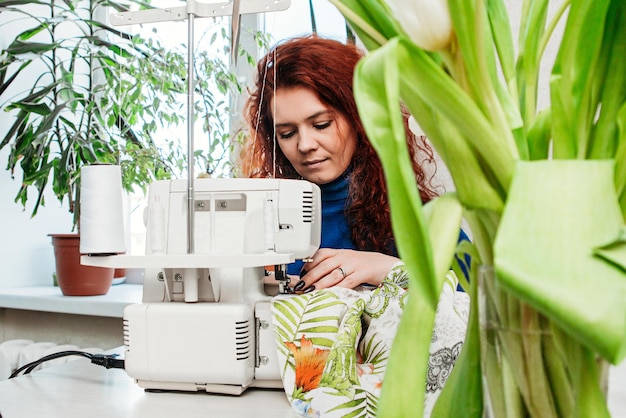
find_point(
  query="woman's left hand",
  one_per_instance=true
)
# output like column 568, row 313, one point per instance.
column 345, row 268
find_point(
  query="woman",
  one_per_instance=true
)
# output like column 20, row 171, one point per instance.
column 305, row 125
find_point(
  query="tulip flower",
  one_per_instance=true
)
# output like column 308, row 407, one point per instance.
column 426, row 22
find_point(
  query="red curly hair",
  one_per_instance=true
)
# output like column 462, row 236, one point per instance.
column 326, row 67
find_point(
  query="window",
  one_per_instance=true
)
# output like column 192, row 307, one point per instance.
column 213, row 138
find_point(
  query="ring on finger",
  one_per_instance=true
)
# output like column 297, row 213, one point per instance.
column 343, row 273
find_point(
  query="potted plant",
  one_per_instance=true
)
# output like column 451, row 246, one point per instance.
column 541, row 188
column 57, row 76
column 83, row 92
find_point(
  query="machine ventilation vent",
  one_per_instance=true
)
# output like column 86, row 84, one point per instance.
column 126, row 333
column 244, row 341
column 307, row 206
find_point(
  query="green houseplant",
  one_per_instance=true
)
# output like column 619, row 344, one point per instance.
column 542, row 190
column 59, row 77
column 83, row 92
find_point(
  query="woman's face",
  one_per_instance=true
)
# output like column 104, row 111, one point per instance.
column 316, row 140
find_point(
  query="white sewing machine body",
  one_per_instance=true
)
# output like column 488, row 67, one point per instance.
column 205, row 320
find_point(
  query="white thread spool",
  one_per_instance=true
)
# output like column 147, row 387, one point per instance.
column 101, row 210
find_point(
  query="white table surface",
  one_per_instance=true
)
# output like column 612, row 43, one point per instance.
column 81, row 389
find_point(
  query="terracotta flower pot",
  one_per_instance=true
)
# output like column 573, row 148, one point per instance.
column 119, row 276
column 73, row 278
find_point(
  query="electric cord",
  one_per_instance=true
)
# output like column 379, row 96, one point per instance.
column 110, row 361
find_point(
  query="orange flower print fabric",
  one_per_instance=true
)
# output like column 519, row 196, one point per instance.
column 309, row 363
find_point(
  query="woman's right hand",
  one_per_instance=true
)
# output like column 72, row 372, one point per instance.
column 345, row 268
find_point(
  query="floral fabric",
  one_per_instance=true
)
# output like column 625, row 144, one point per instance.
column 333, row 344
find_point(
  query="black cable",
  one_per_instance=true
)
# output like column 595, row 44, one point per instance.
column 30, row 366
column 105, row 360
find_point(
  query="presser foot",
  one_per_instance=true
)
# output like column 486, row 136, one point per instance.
column 283, row 280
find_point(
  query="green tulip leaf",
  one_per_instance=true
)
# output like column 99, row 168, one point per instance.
column 557, row 213
column 443, row 221
column 615, row 251
column 370, row 19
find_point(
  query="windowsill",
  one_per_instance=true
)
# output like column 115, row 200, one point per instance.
column 50, row 299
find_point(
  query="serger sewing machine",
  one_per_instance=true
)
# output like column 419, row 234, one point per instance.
column 205, row 321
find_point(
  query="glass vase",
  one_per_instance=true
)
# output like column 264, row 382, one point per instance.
column 530, row 367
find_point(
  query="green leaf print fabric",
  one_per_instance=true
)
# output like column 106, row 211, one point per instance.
column 333, row 344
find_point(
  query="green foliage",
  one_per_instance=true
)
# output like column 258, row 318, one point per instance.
column 477, row 100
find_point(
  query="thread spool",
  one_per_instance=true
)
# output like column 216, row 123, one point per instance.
column 101, row 210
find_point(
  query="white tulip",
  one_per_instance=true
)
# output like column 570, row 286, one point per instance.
column 426, row 22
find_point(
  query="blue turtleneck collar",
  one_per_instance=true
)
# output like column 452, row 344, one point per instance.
column 337, row 189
